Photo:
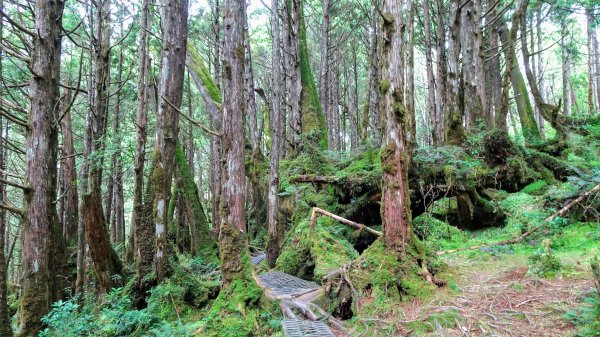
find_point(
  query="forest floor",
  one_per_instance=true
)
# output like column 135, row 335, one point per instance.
column 494, row 293
column 497, row 298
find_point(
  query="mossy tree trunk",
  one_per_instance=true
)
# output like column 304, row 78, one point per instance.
column 312, row 117
column 211, row 96
column 41, row 219
column 201, row 243
column 395, row 203
column 174, row 42
column 529, row 127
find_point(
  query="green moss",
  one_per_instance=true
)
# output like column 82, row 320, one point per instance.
column 318, row 254
column 197, row 65
column 535, row 188
column 313, row 119
column 202, row 243
column 384, row 86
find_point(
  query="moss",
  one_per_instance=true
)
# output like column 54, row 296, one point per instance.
column 384, row 86
column 536, row 188
column 202, row 243
column 198, row 66
column 389, row 274
column 314, row 256
column 313, row 119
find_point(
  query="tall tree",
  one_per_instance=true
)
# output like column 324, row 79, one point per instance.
column 174, row 42
column 41, row 219
column 105, row 261
column 431, row 105
column 453, row 131
column 5, row 328
column 235, row 264
column 141, row 122
column 275, row 230
column 395, row 155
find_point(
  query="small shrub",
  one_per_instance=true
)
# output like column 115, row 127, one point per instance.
column 544, row 263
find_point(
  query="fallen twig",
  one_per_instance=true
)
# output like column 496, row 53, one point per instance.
column 316, row 212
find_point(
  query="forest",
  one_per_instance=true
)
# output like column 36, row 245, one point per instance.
column 299, row 168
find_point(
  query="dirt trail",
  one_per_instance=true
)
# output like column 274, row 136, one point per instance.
column 498, row 298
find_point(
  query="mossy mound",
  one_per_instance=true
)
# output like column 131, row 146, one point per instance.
column 314, row 256
column 384, row 272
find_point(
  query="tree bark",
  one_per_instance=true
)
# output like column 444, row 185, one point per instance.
column 529, row 127
column 141, row 122
column 275, row 228
column 591, row 106
column 118, row 222
column 312, row 118
column 565, row 70
column 175, row 32
column 411, row 137
column 454, row 131
column 41, row 219
column 431, row 87
column 291, row 45
column 395, row 203
column 70, row 199
column 5, row 319
column 371, row 123
column 324, row 80
column 233, row 245
column 442, row 72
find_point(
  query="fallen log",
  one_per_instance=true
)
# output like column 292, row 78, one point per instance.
column 316, row 212
column 531, row 231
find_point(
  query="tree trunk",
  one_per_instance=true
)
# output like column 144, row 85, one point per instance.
column 431, row 106
column 529, row 126
column 233, row 246
column 118, row 223
column 141, row 122
column 454, row 131
column 372, row 119
column 496, row 117
column 5, row 319
column 395, row 156
column 324, row 80
column 472, row 72
column 201, row 243
column 106, row 262
column 174, row 38
column 411, row 136
column 70, row 199
column 565, row 70
column 312, row 118
column 40, row 218
column 275, row 228
column 540, row 72
column 442, row 72
column 591, row 56
column 291, row 45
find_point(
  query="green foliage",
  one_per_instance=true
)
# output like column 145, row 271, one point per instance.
column 587, row 317
column 535, row 188
column 544, row 264
column 325, row 250
column 436, row 232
